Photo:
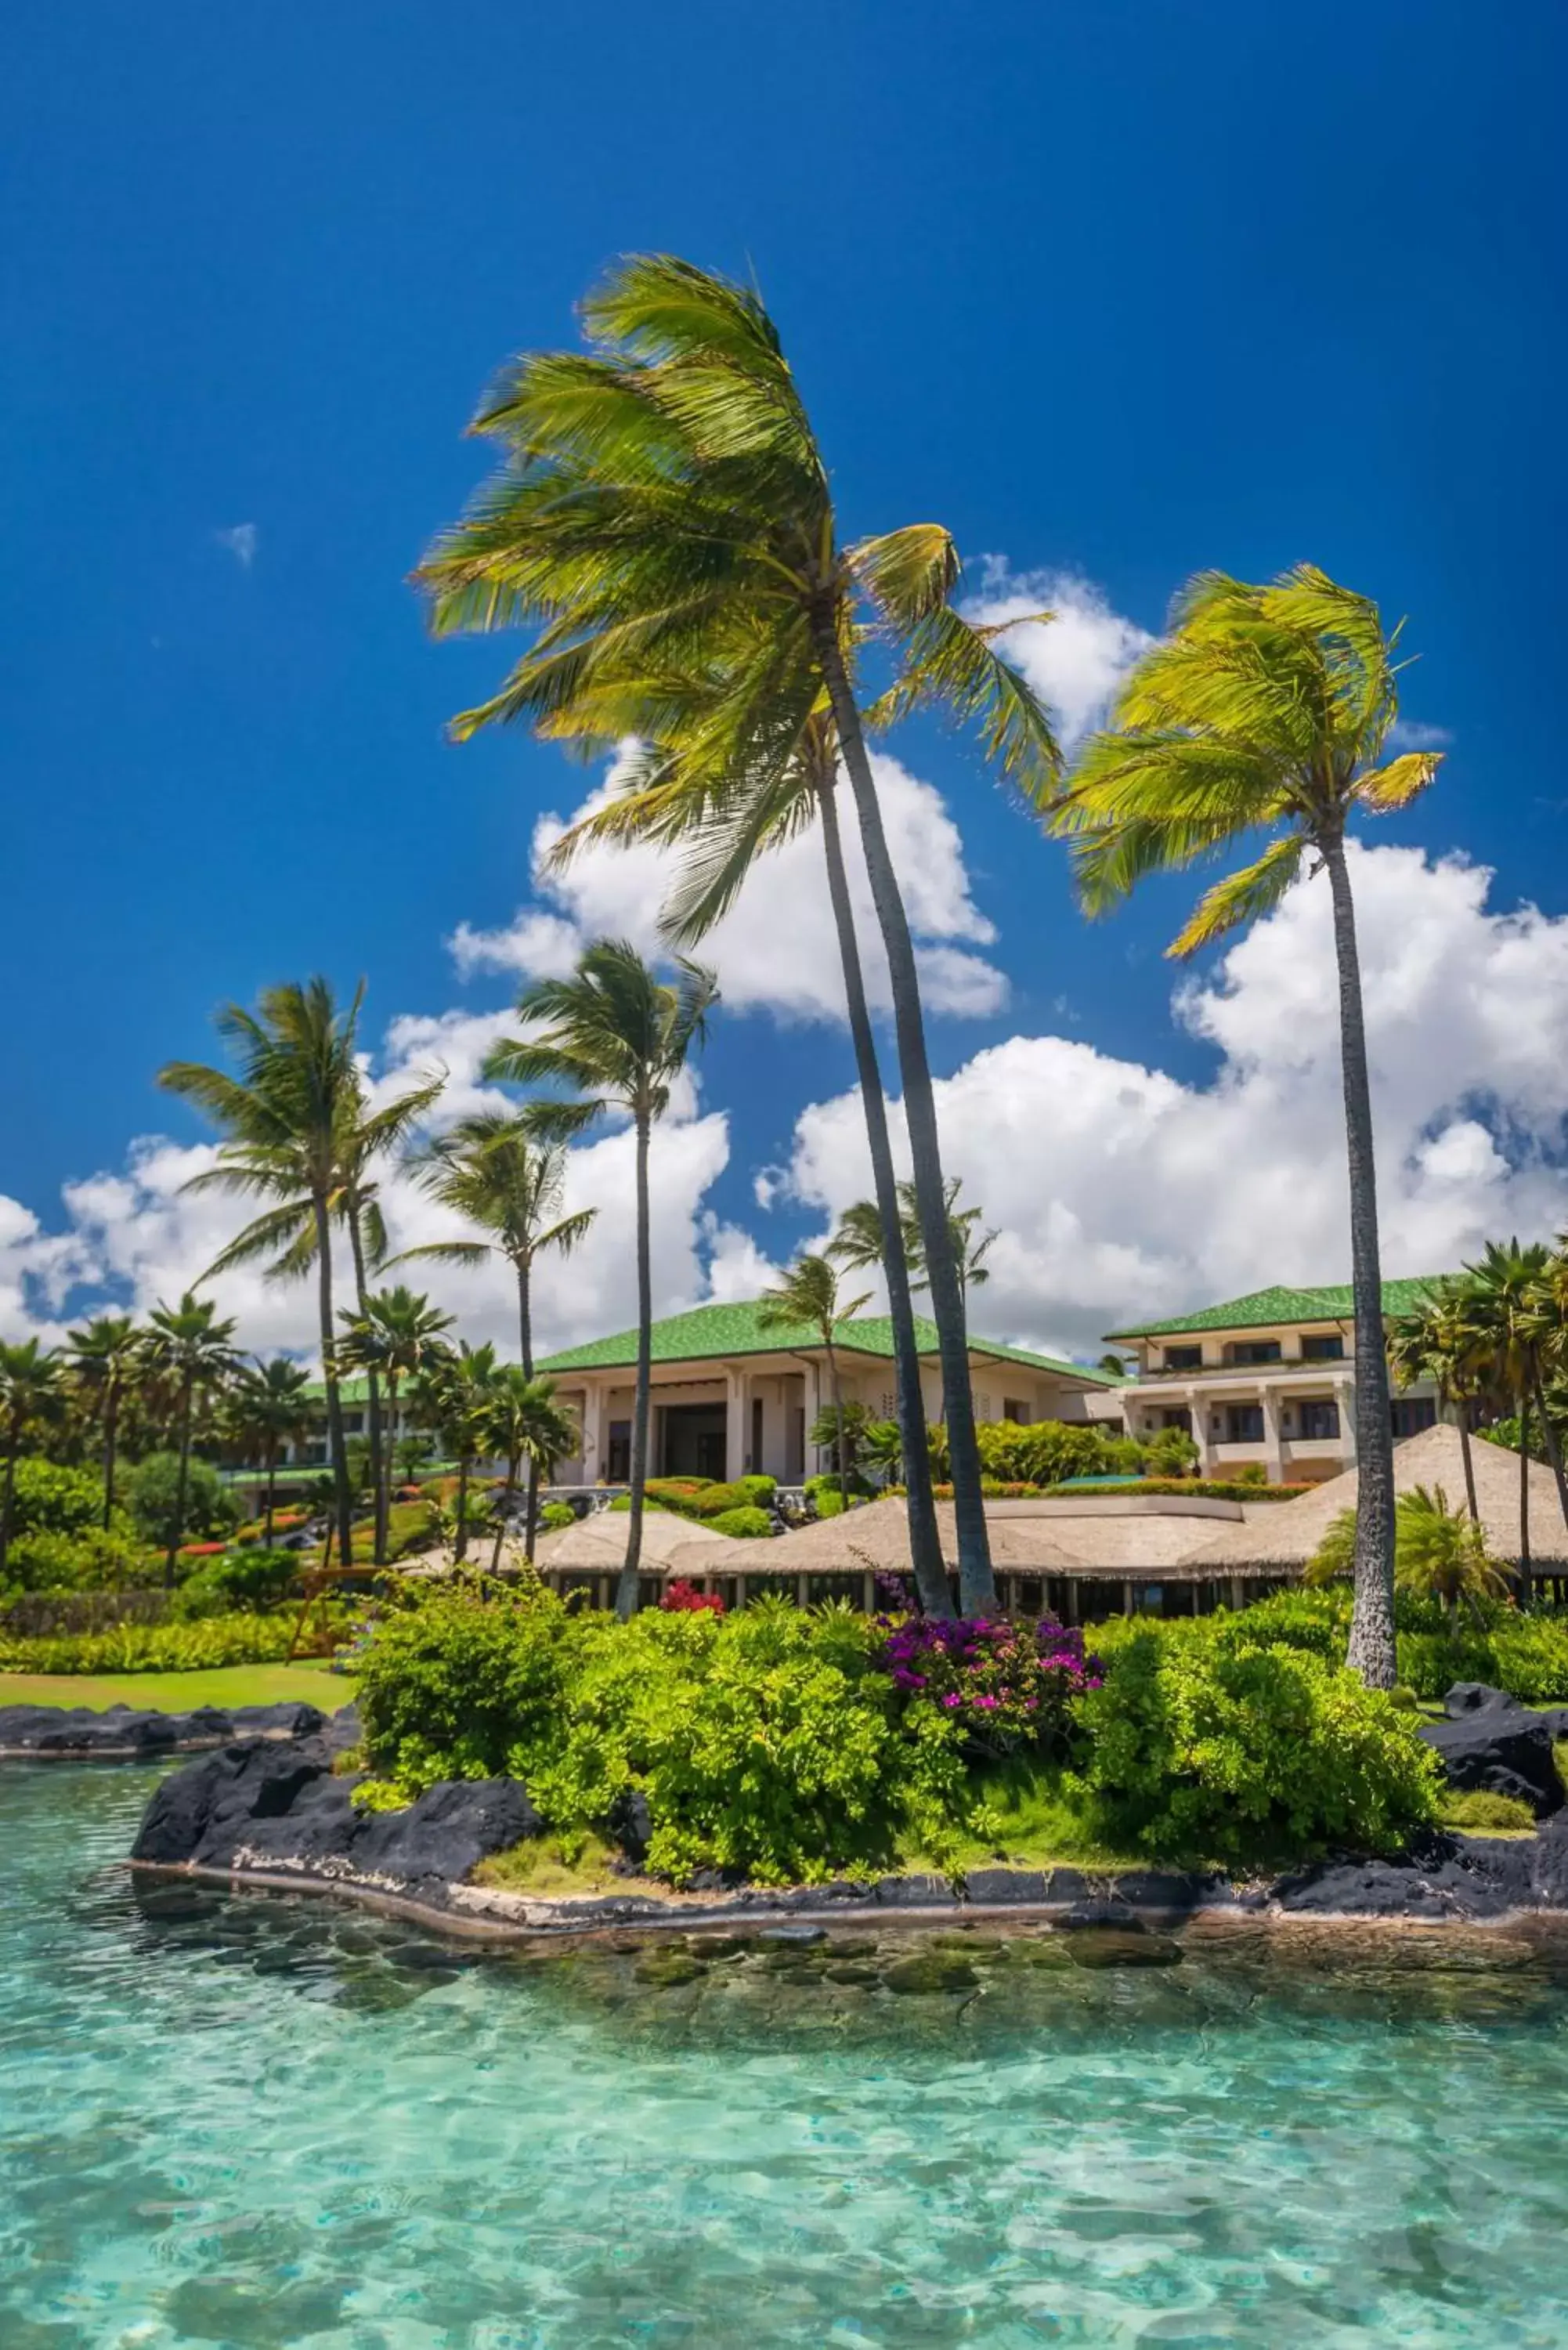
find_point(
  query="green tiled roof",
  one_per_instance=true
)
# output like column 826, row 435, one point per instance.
column 1266, row 1306
column 709, row 1332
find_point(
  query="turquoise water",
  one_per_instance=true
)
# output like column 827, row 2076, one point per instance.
column 275, row 2123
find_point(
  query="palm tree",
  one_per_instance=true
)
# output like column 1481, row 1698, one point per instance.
column 452, row 1396
column 398, row 1334
column 525, row 1424
column 1505, row 1291
column 297, row 1132
column 807, row 1298
column 620, row 1036
column 1442, row 1341
column 32, row 1392
column 191, row 1347
column 105, row 1357
column 665, row 507
column 1438, row 1553
column 270, row 1406
column 863, row 1239
column 1268, row 709
column 505, row 1171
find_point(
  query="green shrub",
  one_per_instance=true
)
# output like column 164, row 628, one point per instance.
column 556, row 1516
column 152, row 1493
column 87, row 1560
column 747, row 1523
column 758, row 1487
column 49, row 1499
column 244, row 1582
column 1041, row 1452
column 1220, row 1750
column 1476, row 1810
column 766, row 1743
column 702, row 1499
column 215, row 1641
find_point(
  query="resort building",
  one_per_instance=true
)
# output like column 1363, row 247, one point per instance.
column 731, row 1398
column 1265, row 1381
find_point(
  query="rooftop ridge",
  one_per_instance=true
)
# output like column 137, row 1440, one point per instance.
column 1331, row 1302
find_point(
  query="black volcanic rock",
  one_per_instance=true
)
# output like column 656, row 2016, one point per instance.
column 1489, row 1742
column 127, row 1732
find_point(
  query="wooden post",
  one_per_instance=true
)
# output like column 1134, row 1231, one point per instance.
column 803, row 1591
column 1126, row 1599
column 868, row 1593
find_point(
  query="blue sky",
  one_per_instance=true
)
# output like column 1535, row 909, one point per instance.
column 1115, row 291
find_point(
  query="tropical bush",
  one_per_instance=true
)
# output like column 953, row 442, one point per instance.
column 215, row 1641
column 704, row 1499
column 49, row 1499
column 556, row 1516
column 747, row 1523
column 1006, row 1685
column 1228, row 1750
column 91, row 1559
column 153, row 1491
column 247, row 1581
column 681, row 1597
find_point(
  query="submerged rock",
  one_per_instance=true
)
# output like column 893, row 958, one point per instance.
column 1112, row 1945
column 930, row 1972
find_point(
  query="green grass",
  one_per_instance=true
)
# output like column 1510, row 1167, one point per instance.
column 552, row 1867
column 178, row 1692
column 1039, row 1826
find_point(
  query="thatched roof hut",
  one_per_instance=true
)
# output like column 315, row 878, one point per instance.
column 1280, row 1536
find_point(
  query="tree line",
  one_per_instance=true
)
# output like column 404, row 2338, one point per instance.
column 662, row 526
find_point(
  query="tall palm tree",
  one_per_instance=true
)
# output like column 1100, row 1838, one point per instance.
column 191, row 1347
column 664, row 502
column 862, row 1236
column 105, row 1357
column 809, row 1297
column 1505, row 1293
column 32, row 1392
column 505, row 1171
column 525, row 1424
column 270, row 1406
column 1267, row 709
column 620, row 1036
column 764, row 794
column 396, row 1334
column 1442, row 1341
column 452, row 1395
column 299, row 1132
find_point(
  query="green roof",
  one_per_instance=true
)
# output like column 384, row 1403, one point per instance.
column 1266, row 1306
column 709, row 1332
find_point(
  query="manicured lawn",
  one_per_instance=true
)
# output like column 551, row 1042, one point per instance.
column 178, row 1693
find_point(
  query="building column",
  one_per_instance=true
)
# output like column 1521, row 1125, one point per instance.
column 1273, row 1452
column 596, row 1442
column 1199, row 1406
column 736, row 1400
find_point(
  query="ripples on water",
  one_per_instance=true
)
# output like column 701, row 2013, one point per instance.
column 271, row 2123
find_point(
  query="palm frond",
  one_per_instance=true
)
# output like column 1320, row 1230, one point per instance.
column 1244, row 895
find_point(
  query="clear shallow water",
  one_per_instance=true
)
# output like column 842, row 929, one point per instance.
column 269, row 2122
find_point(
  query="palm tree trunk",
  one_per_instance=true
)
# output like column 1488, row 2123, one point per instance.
column 525, row 1340
column 333, row 1401
column 382, row 1497
column 504, row 1517
column 271, row 1484
column 1372, row 1646
column 1468, row 1460
column 835, row 1389
column 1526, row 1567
column 625, row 1595
column 386, row 1467
column 1554, row 1448
column 977, row 1586
column 110, row 1431
column 460, row 1547
column 925, row 1540
column 178, row 1527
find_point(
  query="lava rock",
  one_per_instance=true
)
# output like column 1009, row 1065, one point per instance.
column 1107, row 1945
column 1440, row 1876
column 280, row 1806
column 631, row 1823
column 123, row 1732
column 929, row 1972
column 1490, row 1742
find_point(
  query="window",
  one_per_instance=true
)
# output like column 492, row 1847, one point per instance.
column 1015, row 1411
column 617, row 1467
column 1254, row 1350
column 353, row 1423
column 1183, row 1358
column 1175, row 1416
column 1411, row 1414
column 1325, row 1347
column 1320, row 1418
column 1243, row 1423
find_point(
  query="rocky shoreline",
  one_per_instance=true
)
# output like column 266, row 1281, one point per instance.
column 264, row 1803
